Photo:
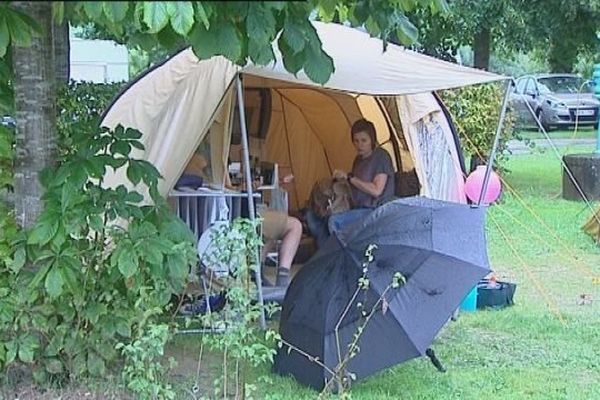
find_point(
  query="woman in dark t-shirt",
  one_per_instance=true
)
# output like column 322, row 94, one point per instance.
column 372, row 176
column 371, row 180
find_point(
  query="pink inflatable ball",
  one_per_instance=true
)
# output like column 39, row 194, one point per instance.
column 474, row 185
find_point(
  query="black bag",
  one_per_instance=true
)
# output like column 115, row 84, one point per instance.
column 496, row 295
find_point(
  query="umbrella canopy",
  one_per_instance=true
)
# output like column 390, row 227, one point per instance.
column 438, row 247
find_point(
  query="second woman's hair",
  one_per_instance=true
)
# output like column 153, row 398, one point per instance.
column 364, row 125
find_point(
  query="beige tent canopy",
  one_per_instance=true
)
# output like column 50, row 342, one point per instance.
column 299, row 124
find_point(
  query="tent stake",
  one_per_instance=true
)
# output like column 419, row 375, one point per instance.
column 490, row 163
column 250, row 192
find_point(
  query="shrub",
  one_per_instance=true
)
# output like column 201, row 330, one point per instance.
column 97, row 264
column 476, row 111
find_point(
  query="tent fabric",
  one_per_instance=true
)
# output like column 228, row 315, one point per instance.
column 431, row 143
column 361, row 66
column 173, row 106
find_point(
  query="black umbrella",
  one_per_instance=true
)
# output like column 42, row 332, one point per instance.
column 439, row 248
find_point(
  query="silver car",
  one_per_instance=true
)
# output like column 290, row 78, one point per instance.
column 558, row 100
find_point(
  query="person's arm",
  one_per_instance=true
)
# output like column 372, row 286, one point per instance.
column 374, row 189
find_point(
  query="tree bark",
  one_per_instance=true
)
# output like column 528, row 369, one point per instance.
column 481, row 49
column 62, row 48
column 35, row 99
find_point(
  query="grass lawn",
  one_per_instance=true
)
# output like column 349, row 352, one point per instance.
column 581, row 133
column 546, row 346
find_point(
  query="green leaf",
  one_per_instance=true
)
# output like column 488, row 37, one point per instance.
column 69, row 277
column 127, row 262
column 96, row 222
column 123, row 328
column 177, row 266
column 260, row 24
column 93, row 9
column 41, row 274
column 54, row 282
column 134, row 174
column 134, row 197
column 327, row 9
column 18, row 260
column 156, row 15
column 20, row 31
column 93, row 312
column 292, row 61
column 11, row 351
column 407, row 33
column 44, row 231
column 260, row 53
column 27, row 347
column 293, row 37
column 132, row 134
column 182, row 16
column 58, row 11
column 4, row 36
column 120, row 147
column 319, row 66
column 95, row 364
column 137, row 145
column 201, row 14
column 115, row 10
column 220, row 39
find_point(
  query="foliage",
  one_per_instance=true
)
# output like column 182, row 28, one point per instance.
column 242, row 343
column 143, row 372
column 97, row 265
column 80, row 106
column 476, row 112
column 245, row 31
column 7, row 142
column 560, row 29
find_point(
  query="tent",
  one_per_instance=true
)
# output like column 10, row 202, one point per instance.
column 298, row 124
column 301, row 125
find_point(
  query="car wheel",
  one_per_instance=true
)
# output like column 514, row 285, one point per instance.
column 540, row 115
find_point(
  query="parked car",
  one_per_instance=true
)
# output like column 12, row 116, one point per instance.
column 558, row 100
column 8, row 122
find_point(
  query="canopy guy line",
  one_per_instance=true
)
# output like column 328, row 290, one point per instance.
column 539, row 287
column 552, row 231
column 568, row 250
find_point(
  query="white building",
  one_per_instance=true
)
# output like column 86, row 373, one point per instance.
column 99, row 61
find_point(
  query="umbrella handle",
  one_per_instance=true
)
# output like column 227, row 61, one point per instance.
column 434, row 360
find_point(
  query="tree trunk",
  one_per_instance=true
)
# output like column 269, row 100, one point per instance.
column 481, row 49
column 62, row 59
column 35, row 98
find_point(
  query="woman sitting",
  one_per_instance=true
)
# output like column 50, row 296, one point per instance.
column 371, row 180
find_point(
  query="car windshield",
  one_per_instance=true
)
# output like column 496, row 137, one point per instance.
column 563, row 84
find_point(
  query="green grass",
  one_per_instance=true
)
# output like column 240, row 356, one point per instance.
column 581, row 133
column 544, row 347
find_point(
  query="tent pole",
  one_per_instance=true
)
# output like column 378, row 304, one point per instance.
column 249, row 191
column 490, row 163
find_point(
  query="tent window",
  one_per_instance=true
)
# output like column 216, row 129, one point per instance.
column 257, row 107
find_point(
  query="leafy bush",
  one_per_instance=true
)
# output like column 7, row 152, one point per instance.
column 96, row 265
column 243, row 343
column 476, row 111
column 79, row 107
